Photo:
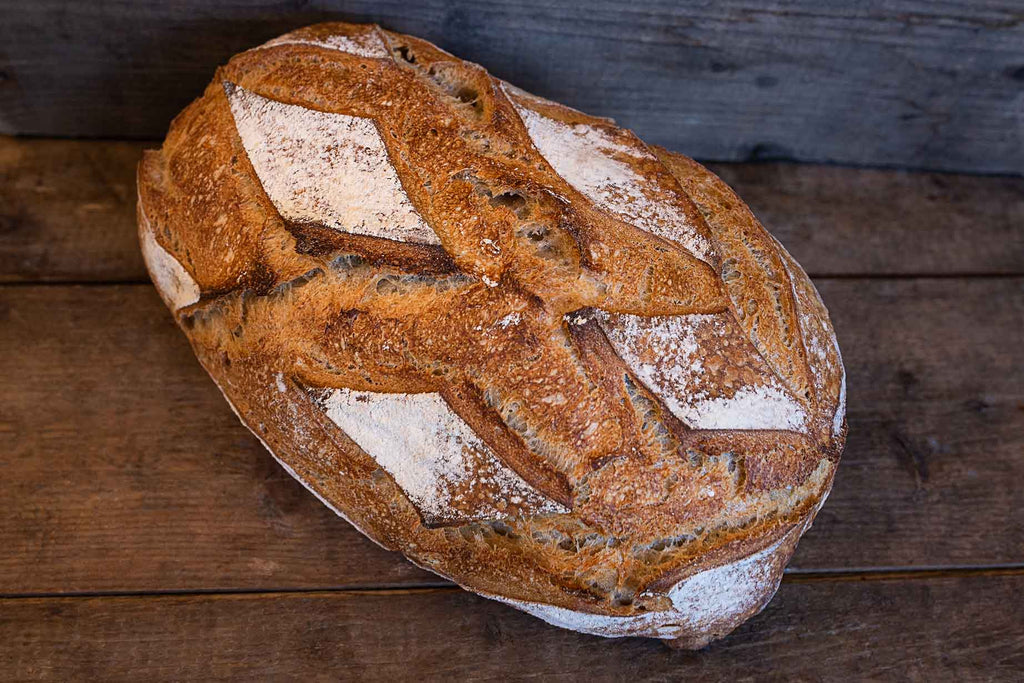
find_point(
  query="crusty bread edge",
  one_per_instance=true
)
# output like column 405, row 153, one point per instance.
column 770, row 559
column 731, row 592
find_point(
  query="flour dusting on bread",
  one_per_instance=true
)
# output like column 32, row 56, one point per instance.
column 840, row 416
column 367, row 44
column 674, row 356
column 590, row 160
column 709, row 601
column 447, row 471
column 824, row 358
column 291, row 471
column 323, row 168
column 175, row 285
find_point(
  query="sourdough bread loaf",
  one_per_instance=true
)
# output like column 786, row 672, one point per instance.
column 563, row 368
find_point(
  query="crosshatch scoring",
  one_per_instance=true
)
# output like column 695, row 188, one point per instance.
column 565, row 369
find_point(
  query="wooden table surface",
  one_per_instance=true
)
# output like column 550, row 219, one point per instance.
column 146, row 535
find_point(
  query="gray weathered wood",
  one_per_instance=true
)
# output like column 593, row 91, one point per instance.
column 124, row 469
column 67, row 213
column 961, row 629
column 911, row 83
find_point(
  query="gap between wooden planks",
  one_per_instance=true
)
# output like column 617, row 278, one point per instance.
column 67, row 214
column 791, row 576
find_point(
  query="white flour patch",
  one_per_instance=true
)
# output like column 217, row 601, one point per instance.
column 325, row 168
column 749, row 408
column 433, row 455
column 173, row 282
column 699, row 603
column 726, row 591
column 677, row 378
column 362, row 45
column 837, row 421
column 585, row 157
column 292, row 472
column 818, row 337
column 510, row 319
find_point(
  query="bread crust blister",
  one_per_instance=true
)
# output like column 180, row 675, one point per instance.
column 565, row 369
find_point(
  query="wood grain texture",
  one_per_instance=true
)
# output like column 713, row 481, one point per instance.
column 67, row 210
column 838, row 630
column 126, row 471
column 131, row 472
column 936, row 411
column 67, row 213
column 843, row 221
column 908, row 83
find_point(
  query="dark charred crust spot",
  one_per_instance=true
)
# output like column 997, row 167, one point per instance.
column 513, row 201
column 320, row 241
column 455, row 79
column 259, row 278
column 404, row 284
column 457, row 82
column 314, row 239
column 405, row 53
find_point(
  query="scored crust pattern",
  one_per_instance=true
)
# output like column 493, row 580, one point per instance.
column 510, row 339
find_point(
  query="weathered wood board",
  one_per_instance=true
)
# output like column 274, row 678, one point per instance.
column 963, row 629
column 910, row 83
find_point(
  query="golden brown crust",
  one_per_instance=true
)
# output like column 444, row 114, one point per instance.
column 544, row 305
column 760, row 288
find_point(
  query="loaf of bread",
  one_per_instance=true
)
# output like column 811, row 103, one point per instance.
column 565, row 369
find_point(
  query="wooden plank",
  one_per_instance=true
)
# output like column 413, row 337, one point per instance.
column 923, row 630
column 67, row 210
column 936, row 411
column 843, row 221
column 126, row 471
column 67, row 213
column 910, row 83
